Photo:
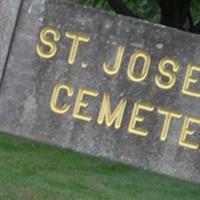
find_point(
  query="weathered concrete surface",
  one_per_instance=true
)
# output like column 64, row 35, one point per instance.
column 29, row 80
column 8, row 15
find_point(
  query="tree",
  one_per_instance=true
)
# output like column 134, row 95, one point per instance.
column 119, row 7
column 174, row 13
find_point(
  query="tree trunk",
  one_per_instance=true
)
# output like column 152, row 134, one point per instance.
column 119, row 7
column 175, row 13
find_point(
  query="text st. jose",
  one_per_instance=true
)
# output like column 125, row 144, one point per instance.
column 165, row 79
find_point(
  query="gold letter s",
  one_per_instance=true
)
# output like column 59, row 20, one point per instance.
column 170, row 74
column 47, row 48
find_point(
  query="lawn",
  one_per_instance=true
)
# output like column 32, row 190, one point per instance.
column 33, row 171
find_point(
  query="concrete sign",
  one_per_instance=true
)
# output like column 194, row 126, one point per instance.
column 106, row 85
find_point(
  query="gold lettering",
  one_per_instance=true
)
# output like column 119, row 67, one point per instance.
column 170, row 74
column 47, row 48
column 187, row 131
column 82, row 104
column 54, row 97
column 130, row 72
column 137, row 118
column 77, row 38
column 189, row 79
column 113, row 70
column 168, row 117
column 114, row 117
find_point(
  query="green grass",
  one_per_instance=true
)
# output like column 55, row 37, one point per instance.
column 34, row 171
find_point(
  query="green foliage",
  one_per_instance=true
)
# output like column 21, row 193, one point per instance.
column 145, row 9
column 196, row 10
column 34, row 171
column 94, row 3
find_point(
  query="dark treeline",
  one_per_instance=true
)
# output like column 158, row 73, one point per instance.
column 174, row 13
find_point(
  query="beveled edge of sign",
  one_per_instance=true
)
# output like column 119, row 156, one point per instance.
column 9, row 16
